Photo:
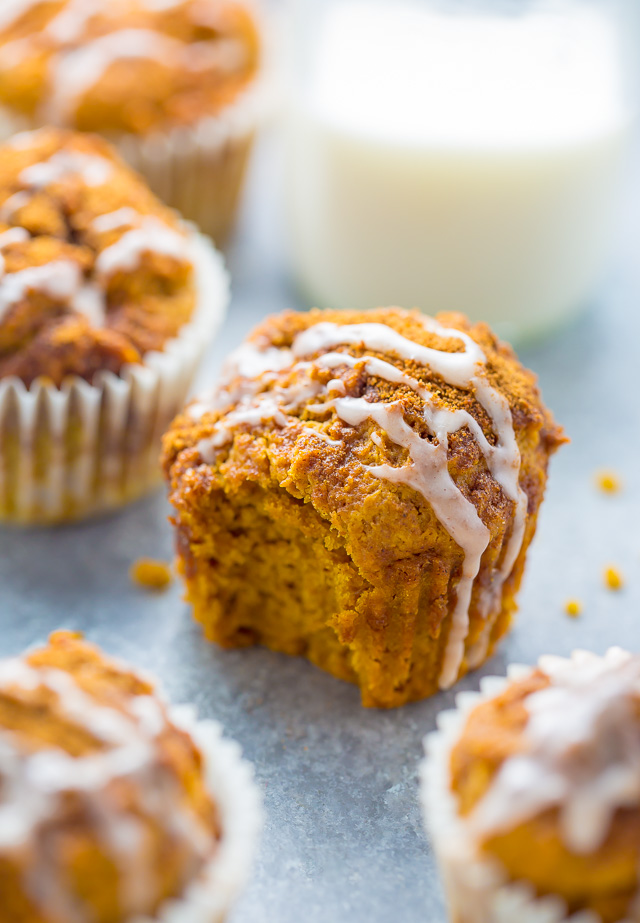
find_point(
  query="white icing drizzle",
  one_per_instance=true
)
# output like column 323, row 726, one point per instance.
column 61, row 280
column 25, row 139
column 582, row 752
column 70, row 22
column 11, row 10
column 12, row 54
column 427, row 471
column 77, row 71
column 151, row 236
column 456, row 368
column 12, row 236
column 11, row 205
column 65, row 164
column 35, row 783
column 90, row 301
column 120, row 218
column 159, row 6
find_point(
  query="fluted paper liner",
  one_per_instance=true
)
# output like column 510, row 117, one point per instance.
column 476, row 887
column 230, row 781
column 71, row 452
column 200, row 170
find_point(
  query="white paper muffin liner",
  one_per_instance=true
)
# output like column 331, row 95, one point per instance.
column 82, row 449
column 476, row 887
column 198, row 170
column 232, row 787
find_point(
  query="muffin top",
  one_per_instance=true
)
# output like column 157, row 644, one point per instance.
column 433, row 426
column 124, row 66
column 547, row 778
column 95, row 271
column 104, row 810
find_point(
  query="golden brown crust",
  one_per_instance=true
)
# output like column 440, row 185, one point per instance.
column 44, row 332
column 87, row 863
column 207, row 52
column 352, row 570
column 605, row 880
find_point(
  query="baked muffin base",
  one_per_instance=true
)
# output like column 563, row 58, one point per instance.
column 259, row 568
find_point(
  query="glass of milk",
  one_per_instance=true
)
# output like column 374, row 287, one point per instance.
column 456, row 155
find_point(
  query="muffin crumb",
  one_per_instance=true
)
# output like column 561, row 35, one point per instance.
column 573, row 608
column 608, row 482
column 151, row 574
column 613, row 579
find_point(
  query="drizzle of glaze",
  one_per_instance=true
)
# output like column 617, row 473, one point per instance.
column 25, row 139
column 427, row 471
column 35, row 785
column 11, row 10
column 150, row 236
column 78, row 70
column 161, row 5
column 64, row 164
column 15, row 202
column 69, row 23
column 120, row 218
column 581, row 755
column 12, row 236
column 60, row 280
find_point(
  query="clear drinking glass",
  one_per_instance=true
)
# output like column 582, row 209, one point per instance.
column 456, row 155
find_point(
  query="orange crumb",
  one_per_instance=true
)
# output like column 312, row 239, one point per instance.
column 613, row 578
column 573, row 607
column 154, row 575
column 608, row 482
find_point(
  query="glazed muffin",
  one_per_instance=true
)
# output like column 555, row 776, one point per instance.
column 176, row 85
column 532, row 794
column 361, row 489
column 112, row 804
column 107, row 301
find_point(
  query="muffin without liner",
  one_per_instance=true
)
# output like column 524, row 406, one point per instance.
column 361, row 489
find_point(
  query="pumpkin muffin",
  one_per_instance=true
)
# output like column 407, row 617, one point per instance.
column 112, row 805
column 361, row 489
column 176, row 85
column 532, row 794
column 107, row 301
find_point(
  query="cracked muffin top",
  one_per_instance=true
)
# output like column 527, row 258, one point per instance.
column 410, row 435
column 95, row 271
column 546, row 776
column 104, row 808
column 124, row 66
